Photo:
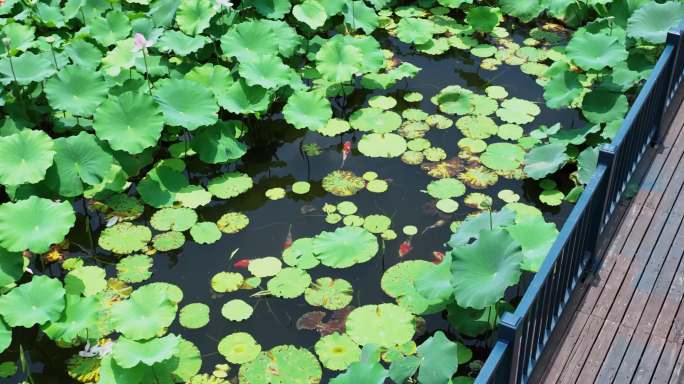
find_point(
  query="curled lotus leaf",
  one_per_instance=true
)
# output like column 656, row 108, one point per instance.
column 26, row 68
column 218, row 143
column 168, row 241
column 454, row 100
column 382, row 145
column 503, row 156
column 603, row 106
column 595, row 51
column 11, row 267
column 478, row 177
column 339, row 59
column 545, row 159
column 268, row 72
column 86, row 280
column 239, row 348
column 329, row 293
column 36, row 302
column 230, row 185
column 311, row 13
column 399, row 282
column 34, row 224
column 25, row 156
column 176, row 219
column 536, row 237
column 232, row 222
column 224, row 282
column 124, row 238
column 337, row 351
column 187, row 104
column 375, row 120
column 282, row 364
column 307, row 110
column 129, row 353
column 345, row 247
column 343, row 183
column 161, row 185
column 386, row 325
column 289, row 283
column 250, row 39
column 483, row 19
column 652, row 20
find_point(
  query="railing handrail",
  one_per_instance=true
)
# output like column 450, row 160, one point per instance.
column 513, row 359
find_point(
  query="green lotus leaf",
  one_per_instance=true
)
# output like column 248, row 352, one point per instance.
column 483, row 19
column 194, row 316
column 345, row 247
column 26, row 68
column 215, row 77
column 544, row 160
column 36, row 302
column 107, row 30
column 518, row 111
column 525, row 10
column 382, row 145
column 602, row 106
column 307, row 110
column 193, row 16
column 265, row 266
column 301, row 187
column 334, row 127
column 129, row 353
column 652, row 20
column 503, row 156
column 163, row 183
column 25, row 156
column 276, row 193
column 249, row 39
column 232, row 222
column 300, row 254
column 595, row 51
column 11, row 267
column 205, row 233
column 400, row 282
column 438, row 359
column 382, row 102
column 241, row 98
column 363, row 372
column 360, row 16
column 454, row 100
column 237, row 310
column 342, row 183
column 79, row 160
column 185, row 103
column 5, row 341
column 134, row 268
column 338, row 60
column 282, row 364
column 478, row 177
column 562, row 90
column 168, row 241
column 266, row 71
column 415, row 31
column 446, row 188
column 21, row 37
column 377, row 186
column 34, row 224
column 120, row 58
column 536, row 238
column 375, row 120
column 145, row 314
column 385, row 325
column 83, row 54
column 186, row 362
column 218, row 143
column 76, row 90
column 129, row 122
column 230, row 185
column 239, row 348
column 329, row 293
column 176, row 219
column 447, row 205
column 552, row 197
column 478, row 200
column 78, row 321
column 85, row 280
column 224, row 282
column 477, row 127
column 479, row 145
column 311, row 13
column 124, row 238
column 273, row 9
column 180, row 43
column 484, row 269
column 289, row 283
column 376, row 223
column 337, row 351
column 483, row 50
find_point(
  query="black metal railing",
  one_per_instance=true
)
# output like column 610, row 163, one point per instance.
column 524, row 334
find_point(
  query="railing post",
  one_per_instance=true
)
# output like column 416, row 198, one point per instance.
column 674, row 38
column 601, row 207
column 510, row 330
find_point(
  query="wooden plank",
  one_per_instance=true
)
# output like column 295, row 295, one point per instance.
column 581, row 350
column 564, row 351
column 601, row 346
column 677, row 330
column 672, row 302
column 676, row 377
column 651, row 357
column 633, row 356
column 666, row 362
column 615, row 354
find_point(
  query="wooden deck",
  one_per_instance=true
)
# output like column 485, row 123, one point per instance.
column 626, row 324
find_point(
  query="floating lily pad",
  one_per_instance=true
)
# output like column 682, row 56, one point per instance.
column 300, row 254
column 447, row 205
column 477, row 127
column 446, row 188
column 289, row 283
column 275, row 193
column 239, row 348
column 386, row 325
column 518, row 111
column 410, row 230
column 329, row 293
column 375, row 120
column 434, row 154
column 205, row 233
column 479, row 177
column 194, row 316
column 377, row 186
column 237, row 310
column 508, row 196
column 413, row 97
column 478, row 200
column 552, row 197
column 124, row 207
column 265, row 266
column 134, row 268
column 503, row 157
column 168, row 241
column 334, row 127
column 382, row 102
column 124, row 238
column 301, row 187
column 307, row 110
column 232, row 222
column 377, row 223
column 382, row 145
column 342, row 183
column 337, row 351
column 347, row 208
column 399, row 282
column 282, row 364
column 230, row 185
column 224, row 282
column 34, row 224
column 412, row 157
column 36, row 302
column 414, row 129
column 177, row 219
column 345, row 247
column 145, row 314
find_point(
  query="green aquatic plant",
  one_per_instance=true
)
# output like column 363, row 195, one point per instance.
column 345, row 247
column 34, row 224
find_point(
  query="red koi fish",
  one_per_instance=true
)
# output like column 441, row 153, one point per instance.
column 438, row 257
column 244, row 263
column 405, row 248
column 346, row 150
column 288, row 239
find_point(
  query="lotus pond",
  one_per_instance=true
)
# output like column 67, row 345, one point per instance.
column 277, row 191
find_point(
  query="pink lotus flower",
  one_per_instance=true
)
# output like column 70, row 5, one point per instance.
column 141, row 42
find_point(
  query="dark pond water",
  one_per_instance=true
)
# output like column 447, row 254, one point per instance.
column 276, row 160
